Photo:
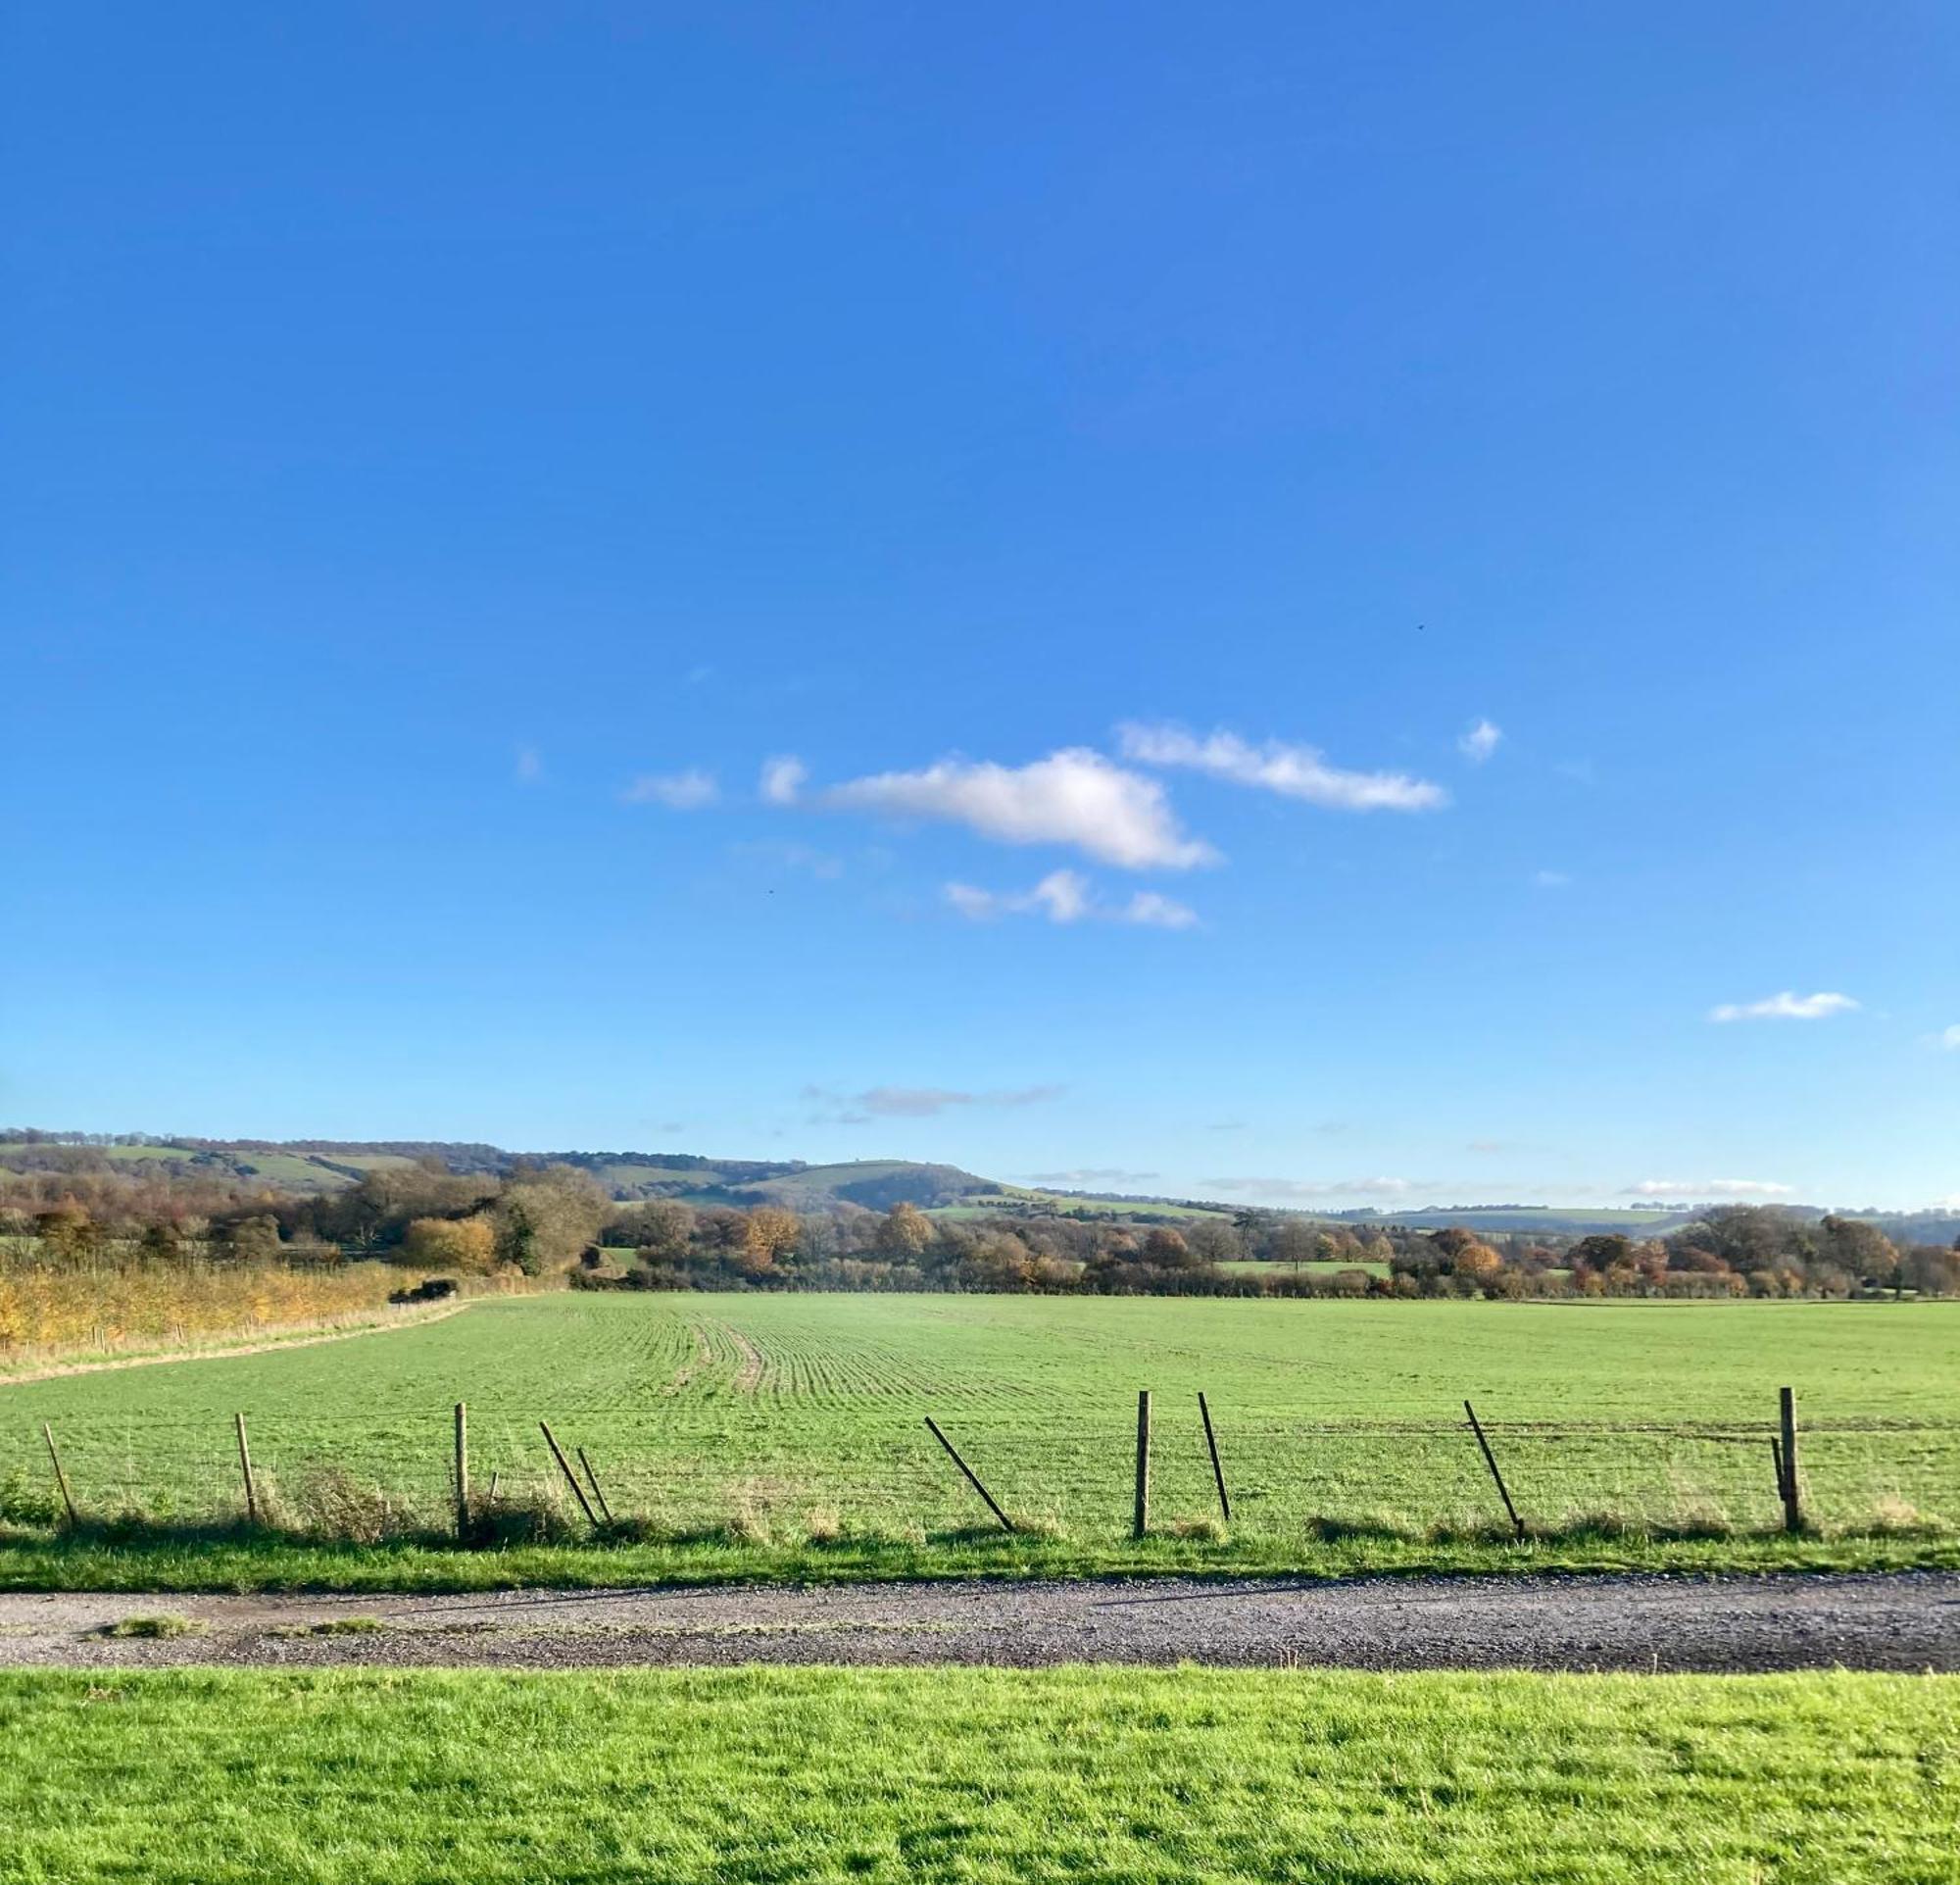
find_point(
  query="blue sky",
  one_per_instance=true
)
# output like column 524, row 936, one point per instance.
column 1120, row 455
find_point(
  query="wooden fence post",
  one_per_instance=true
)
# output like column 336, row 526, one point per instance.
column 1792, row 1503
column 570, row 1477
column 61, row 1478
column 1140, row 1523
column 1491, row 1460
column 592, row 1478
column 245, row 1467
column 461, row 1471
column 972, row 1478
column 1218, row 1472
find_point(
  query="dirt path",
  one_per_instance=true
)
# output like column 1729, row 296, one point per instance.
column 54, row 1370
column 1908, row 1622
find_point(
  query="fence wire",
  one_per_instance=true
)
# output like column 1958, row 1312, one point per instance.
column 785, row 1469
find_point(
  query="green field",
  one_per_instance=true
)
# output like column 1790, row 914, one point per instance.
column 982, row 1776
column 738, row 1428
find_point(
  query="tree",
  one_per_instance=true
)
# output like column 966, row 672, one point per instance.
column 254, row 1240
column 1861, row 1250
column 664, row 1228
column 904, row 1232
column 771, row 1236
column 465, row 1243
column 544, row 1221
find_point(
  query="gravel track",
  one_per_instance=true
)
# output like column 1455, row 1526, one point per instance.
column 1649, row 1625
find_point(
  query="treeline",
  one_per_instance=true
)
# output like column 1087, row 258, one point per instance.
column 1731, row 1252
column 550, row 1220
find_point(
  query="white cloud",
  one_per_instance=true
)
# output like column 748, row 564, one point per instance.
column 1158, row 912
column 920, row 1102
column 1550, row 880
column 1067, row 896
column 1949, row 1038
column 1480, row 741
column 1789, row 1006
column 1684, row 1189
column 783, row 777
column 1293, row 772
column 685, row 791
column 1073, row 797
column 531, row 765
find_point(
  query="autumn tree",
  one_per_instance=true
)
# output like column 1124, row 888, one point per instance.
column 771, row 1236
column 904, row 1232
column 467, row 1245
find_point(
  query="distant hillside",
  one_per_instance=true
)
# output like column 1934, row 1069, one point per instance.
column 315, row 1166
column 321, row 1166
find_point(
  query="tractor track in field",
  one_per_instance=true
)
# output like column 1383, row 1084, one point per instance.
column 1648, row 1624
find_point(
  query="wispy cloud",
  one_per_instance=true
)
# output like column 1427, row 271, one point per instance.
column 783, row 779
column 1074, row 797
column 919, row 1101
column 1478, row 742
column 687, row 791
column 1695, row 1190
column 1100, row 1177
column 1550, row 880
column 1273, row 765
column 1949, row 1038
column 1067, row 897
column 1789, row 1006
column 529, row 766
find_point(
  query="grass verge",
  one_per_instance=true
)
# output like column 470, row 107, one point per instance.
column 160, row 1558
column 980, row 1775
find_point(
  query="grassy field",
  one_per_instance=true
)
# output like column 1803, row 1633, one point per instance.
column 980, row 1776
column 773, row 1432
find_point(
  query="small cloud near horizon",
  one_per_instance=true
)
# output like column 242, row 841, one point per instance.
column 1303, row 1190
column 1480, row 741
column 1678, row 1190
column 1787, row 1005
column 919, row 1101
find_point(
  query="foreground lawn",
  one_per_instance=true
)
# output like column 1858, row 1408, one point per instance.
column 978, row 1775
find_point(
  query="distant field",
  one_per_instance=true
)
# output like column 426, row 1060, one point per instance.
column 1059, row 1777
column 764, row 1420
column 1011, row 1197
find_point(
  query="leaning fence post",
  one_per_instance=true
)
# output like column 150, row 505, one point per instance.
column 1218, row 1472
column 570, row 1477
column 604, row 1510
column 1140, row 1523
column 461, row 1471
column 1793, row 1505
column 61, row 1478
column 245, row 1467
column 1491, row 1460
column 972, row 1478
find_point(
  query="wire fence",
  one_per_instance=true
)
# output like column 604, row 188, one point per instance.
column 771, row 1467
